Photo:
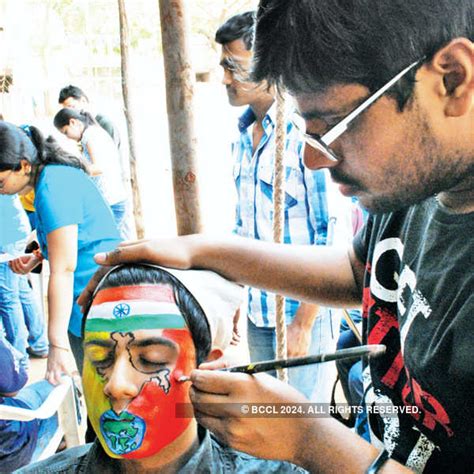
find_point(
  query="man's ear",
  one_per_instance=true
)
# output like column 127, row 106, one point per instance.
column 455, row 62
column 215, row 354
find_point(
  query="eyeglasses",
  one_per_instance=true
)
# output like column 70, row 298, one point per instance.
column 321, row 143
column 4, row 181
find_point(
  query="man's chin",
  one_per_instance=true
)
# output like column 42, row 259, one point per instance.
column 385, row 204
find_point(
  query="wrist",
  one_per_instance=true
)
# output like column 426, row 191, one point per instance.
column 61, row 346
column 300, row 325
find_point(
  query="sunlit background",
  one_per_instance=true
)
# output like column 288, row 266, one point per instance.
column 47, row 44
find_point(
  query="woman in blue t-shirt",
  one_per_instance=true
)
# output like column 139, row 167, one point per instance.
column 74, row 223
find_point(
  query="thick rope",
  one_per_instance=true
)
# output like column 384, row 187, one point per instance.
column 279, row 222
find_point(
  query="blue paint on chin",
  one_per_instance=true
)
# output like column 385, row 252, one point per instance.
column 123, row 433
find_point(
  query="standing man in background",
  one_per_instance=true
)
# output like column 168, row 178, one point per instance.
column 309, row 327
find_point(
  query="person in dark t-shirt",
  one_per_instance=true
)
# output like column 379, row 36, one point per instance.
column 385, row 91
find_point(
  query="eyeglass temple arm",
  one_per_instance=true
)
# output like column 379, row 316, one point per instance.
column 341, row 127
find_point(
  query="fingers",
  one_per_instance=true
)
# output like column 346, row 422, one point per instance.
column 85, row 298
column 130, row 252
column 54, row 377
column 21, row 265
column 214, row 365
column 218, row 426
column 216, row 382
column 129, row 243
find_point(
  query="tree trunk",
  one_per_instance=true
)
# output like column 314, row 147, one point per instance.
column 124, row 42
column 179, row 99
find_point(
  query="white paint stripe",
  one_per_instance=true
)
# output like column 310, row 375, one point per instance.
column 122, row 309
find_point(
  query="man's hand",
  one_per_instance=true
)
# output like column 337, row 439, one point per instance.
column 218, row 398
column 57, row 366
column 298, row 340
column 299, row 332
column 174, row 252
column 23, row 265
column 235, row 329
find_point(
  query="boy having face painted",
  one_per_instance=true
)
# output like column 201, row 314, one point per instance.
column 145, row 328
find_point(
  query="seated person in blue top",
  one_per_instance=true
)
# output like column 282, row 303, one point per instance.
column 21, row 441
column 146, row 328
column 73, row 223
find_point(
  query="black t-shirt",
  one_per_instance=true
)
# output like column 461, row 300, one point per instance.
column 418, row 300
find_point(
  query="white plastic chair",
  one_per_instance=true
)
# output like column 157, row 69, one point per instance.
column 61, row 400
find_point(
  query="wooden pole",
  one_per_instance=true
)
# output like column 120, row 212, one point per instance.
column 124, row 55
column 179, row 99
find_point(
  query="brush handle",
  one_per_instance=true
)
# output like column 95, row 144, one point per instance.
column 373, row 350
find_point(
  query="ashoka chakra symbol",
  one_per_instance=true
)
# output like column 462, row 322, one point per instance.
column 121, row 310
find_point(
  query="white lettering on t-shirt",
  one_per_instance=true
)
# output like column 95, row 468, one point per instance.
column 376, row 287
column 410, row 301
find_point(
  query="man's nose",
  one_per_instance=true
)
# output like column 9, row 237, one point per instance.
column 227, row 77
column 315, row 159
column 121, row 386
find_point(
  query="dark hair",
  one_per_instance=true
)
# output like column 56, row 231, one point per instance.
column 309, row 45
column 63, row 117
column 241, row 26
column 71, row 91
column 192, row 312
column 17, row 144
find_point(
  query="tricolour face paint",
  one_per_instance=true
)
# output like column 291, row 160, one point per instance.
column 136, row 340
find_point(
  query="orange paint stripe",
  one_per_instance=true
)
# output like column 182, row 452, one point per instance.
column 157, row 292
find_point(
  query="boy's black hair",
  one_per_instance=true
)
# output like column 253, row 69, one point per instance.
column 190, row 309
column 309, row 45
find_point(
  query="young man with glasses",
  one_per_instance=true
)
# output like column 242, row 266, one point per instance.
column 408, row 155
column 310, row 329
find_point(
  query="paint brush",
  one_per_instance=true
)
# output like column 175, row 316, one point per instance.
column 372, row 350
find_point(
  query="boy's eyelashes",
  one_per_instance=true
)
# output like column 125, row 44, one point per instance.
column 103, row 362
column 138, row 361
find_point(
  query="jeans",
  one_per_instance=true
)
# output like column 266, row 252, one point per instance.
column 20, row 313
column 350, row 370
column 314, row 381
column 118, row 210
column 33, row 396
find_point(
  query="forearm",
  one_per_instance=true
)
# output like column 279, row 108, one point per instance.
column 306, row 315
column 329, row 446
column 60, row 291
column 315, row 274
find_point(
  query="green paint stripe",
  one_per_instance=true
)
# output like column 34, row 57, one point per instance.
column 138, row 321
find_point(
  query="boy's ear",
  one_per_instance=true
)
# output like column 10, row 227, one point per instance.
column 215, row 354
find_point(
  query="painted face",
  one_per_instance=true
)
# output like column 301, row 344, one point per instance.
column 388, row 159
column 236, row 62
column 136, row 346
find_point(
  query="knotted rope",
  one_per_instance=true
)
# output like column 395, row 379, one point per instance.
column 279, row 222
